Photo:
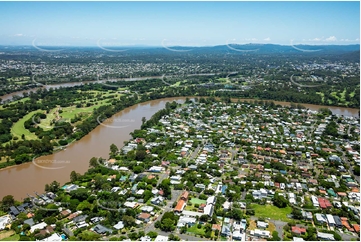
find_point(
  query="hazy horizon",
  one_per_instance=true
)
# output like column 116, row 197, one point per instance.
column 160, row 46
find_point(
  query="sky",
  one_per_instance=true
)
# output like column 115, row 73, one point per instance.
column 107, row 24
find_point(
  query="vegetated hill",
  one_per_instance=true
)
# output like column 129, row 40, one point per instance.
column 336, row 52
column 272, row 48
column 353, row 56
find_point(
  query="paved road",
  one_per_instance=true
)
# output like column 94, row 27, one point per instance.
column 244, row 193
column 347, row 237
column 279, row 226
column 162, row 176
column 182, row 236
column 350, row 170
column 175, row 196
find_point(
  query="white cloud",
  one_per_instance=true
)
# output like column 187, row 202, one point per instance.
column 253, row 39
column 18, row 35
column 315, row 39
column 267, row 39
column 331, row 38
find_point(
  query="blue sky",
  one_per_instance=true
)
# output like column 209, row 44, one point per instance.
column 178, row 23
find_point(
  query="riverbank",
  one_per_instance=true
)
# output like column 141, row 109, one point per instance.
column 335, row 110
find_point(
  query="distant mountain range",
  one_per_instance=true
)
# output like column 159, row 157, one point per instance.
column 350, row 51
column 270, row 48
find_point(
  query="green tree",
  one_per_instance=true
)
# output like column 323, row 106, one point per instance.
column 8, row 201
column 140, row 155
column 296, row 213
column 93, row 162
column 167, row 225
column 275, row 236
column 128, row 221
column 113, row 149
column 280, row 201
column 356, row 170
column 152, row 234
column 204, row 218
column 88, row 236
column 83, row 206
column 157, row 224
column 50, row 220
column 74, row 176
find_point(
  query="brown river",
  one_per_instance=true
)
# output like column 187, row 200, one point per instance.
column 31, row 177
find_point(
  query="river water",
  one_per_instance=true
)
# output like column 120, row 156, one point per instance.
column 30, row 177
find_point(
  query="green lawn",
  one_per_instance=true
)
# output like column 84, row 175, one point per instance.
column 223, row 79
column 19, row 101
column 322, row 96
column 195, row 230
column 70, row 112
column 45, row 124
column 272, row 212
column 18, row 128
column 14, row 237
column 195, row 200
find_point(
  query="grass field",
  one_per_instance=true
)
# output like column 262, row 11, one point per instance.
column 195, row 230
column 252, row 225
column 18, row 101
column 9, row 236
column 271, row 227
column 2, row 160
column 322, row 96
column 45, row 123
column 272, row 212
column 18, row 128
column 195, row 200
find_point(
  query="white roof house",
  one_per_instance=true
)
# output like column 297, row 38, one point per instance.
column 211, row 200
column 330, row 220
column 156, row 169
column 161, row 238
column 53, row 237
column 208, row 209
column 37, row 226
column 147, row 209
column 261, row 233
column 119, row 225
column 321, row 218
column 315, row 201
column 130, row 204
column 4, row 220
column 261, row 224
column 325, row 236
column 183, row 221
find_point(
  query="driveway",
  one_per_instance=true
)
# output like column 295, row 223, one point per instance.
column 278, row 224
column 167, row 208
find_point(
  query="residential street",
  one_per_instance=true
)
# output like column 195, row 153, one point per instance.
column 175, row 196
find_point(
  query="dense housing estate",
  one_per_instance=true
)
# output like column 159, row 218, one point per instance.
column 224, row 162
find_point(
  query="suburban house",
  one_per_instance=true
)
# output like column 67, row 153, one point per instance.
column 100, row 229
column 298, row 230
column 145, row 217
